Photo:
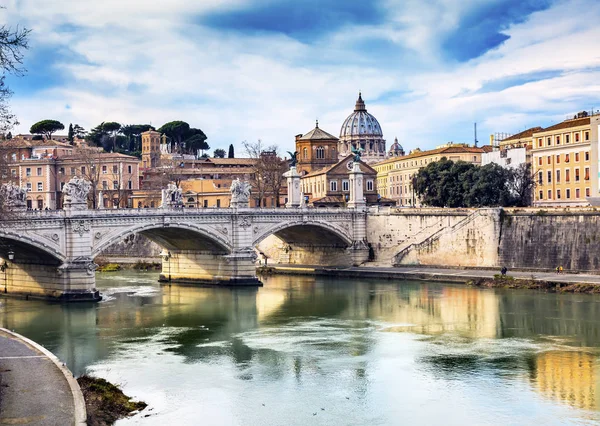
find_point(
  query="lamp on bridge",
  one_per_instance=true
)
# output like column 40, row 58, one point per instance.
column 11, row 255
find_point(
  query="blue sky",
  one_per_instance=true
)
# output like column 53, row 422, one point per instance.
column 266, row 69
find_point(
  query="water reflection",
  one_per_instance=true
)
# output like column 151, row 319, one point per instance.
column 359, row 340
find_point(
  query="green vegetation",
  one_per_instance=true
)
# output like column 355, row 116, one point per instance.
column 446, row 183
column 183, row 138
column 109, row 267
column 231, row 153
column 219, row 153
column 140, row 265
column 46, row 128
column 105, row 403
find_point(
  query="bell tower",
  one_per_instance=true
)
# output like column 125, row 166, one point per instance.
column 150, row 149
column 316, row 149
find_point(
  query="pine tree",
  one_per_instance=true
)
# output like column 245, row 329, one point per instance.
column 231, row 153
column 9, row 136
column 71, row 136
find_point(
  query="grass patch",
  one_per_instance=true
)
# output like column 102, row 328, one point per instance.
column 106, row 403
column 109, row 267
column 140, row 265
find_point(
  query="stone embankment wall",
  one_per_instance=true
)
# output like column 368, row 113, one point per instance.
column 516, row 238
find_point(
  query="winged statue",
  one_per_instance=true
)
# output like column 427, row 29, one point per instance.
column 357, row 153
column 293, row 158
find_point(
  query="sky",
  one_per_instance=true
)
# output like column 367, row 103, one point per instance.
column 267, row 69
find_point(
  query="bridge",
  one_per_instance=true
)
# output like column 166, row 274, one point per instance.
column 51, row 254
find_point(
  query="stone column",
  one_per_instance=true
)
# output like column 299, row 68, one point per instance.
column 357, row 198
column 294, row 191
column 100, row 205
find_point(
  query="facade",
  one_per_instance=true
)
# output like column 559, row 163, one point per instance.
column 395, row 175
column 396, row 150
column 362, row 130
column 565, row 162
column 507, row 158
column 44, row 167
column 330, row 186
column 316, row 149
column 523, row 139
column 150, row 149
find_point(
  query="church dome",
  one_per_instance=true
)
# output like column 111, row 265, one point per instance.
column 396, row 149
column 360, row 123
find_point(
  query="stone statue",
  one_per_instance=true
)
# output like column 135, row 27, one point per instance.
column 172, row 196
column 76, row 190
column 357, row 153
column 240, row 193
column 12, row 196
column 293, row 158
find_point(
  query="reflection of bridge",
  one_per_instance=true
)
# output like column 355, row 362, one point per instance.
column 53, row 252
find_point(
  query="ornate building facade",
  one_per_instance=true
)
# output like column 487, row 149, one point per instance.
column 316, row 149
column 362, row 130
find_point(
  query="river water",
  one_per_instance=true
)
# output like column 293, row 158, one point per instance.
column 305, row 350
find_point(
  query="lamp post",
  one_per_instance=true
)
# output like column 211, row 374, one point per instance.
column 166, row 255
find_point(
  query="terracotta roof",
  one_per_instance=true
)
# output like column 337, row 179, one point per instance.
column 444, row 150
column 99, row 155
column 524, row 134
column 233, row 161
column 317, row 134
column 567, row 123
column 329, row 199
column 23, row 143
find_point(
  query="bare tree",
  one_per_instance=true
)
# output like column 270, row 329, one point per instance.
column 268, row 171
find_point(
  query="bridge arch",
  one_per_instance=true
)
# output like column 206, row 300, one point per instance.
column 175, row 236
column 28, row 249
column 328, row 231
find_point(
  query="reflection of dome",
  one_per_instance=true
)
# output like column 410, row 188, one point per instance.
column 396, row 149
column 360, row 122
column 362, row 130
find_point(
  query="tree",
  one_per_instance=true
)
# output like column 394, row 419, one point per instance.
column 71, row 135
column 46, row 128
column 133, row 133
column 196, row 143
column 219, row 153
column 111, row 128
column 268, row 171
column 176, row 131
column 90, row 160
column 231, row 153
column 9, row 136
column 78, row 131
column 522, row 185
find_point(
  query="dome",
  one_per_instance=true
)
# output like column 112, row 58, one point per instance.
column 396, row 149
column 360, row 123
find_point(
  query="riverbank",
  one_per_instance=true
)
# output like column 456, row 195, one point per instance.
column 36, row 387
column 547, row 281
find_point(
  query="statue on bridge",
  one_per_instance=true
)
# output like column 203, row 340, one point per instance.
column 76, row 193
column 357, row 153
column 240, row 193
column 293, row 158
column 172, row 196
column 12, row 197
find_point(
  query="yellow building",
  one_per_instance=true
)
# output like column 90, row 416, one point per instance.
column 395, row 175
column 565, row 161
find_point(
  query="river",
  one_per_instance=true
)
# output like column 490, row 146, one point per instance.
column 304, row 350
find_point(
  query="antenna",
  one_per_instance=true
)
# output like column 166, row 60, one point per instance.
column 476, row 141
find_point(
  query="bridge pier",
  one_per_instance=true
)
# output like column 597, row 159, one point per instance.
column 209, row 268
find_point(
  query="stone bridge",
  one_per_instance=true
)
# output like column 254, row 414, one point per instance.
column 51, row 253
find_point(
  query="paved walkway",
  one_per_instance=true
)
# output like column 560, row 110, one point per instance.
column 34, row 386
column 442, row 274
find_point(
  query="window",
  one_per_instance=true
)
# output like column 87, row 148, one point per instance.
column 540, row 144
column 568, row 193
column 345, row 185
column 40, row 186
column 39, row 171
column 558, row 194
column 586, row 136
column 587, row 173
column 540, row 177
column 13, row 172
column 333, row 185
column 548, row 160
column 549, row 194
column 539, row 161
column 576, row 175
column 549, row 176
column 567, row 140
column 566, row 158
column 27, row 171
column 129, row 169
column 129, row 185
column 62, row 185
column 218, row 203
column 576, row 192
column 104, row 185
column 333, row 153
column 474, row 158
column 558, row 176
column 576, row 137
column 320, row 152
column 61, row 171
column 567, row 175
column 549, row 141
column 587, row 192
column 557, row 158
column 576, row 156
column 82, row 170
column 73, row 171
column 115, row 169
column 541, row 195
column 305, row 153
column 104, row 170
column 28, row 186
column 115, row 184
column 205, row 203
column 587, row 156
column 369, row 185
column 558, row 140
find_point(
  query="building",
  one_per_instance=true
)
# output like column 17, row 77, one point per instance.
column 362, row 130
column 316, row 149
column 507, row 158
column 565, row 162
column 43, row 167
column 396, row 150
column 395, row 175
column 523, row 139
column 151, row 149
